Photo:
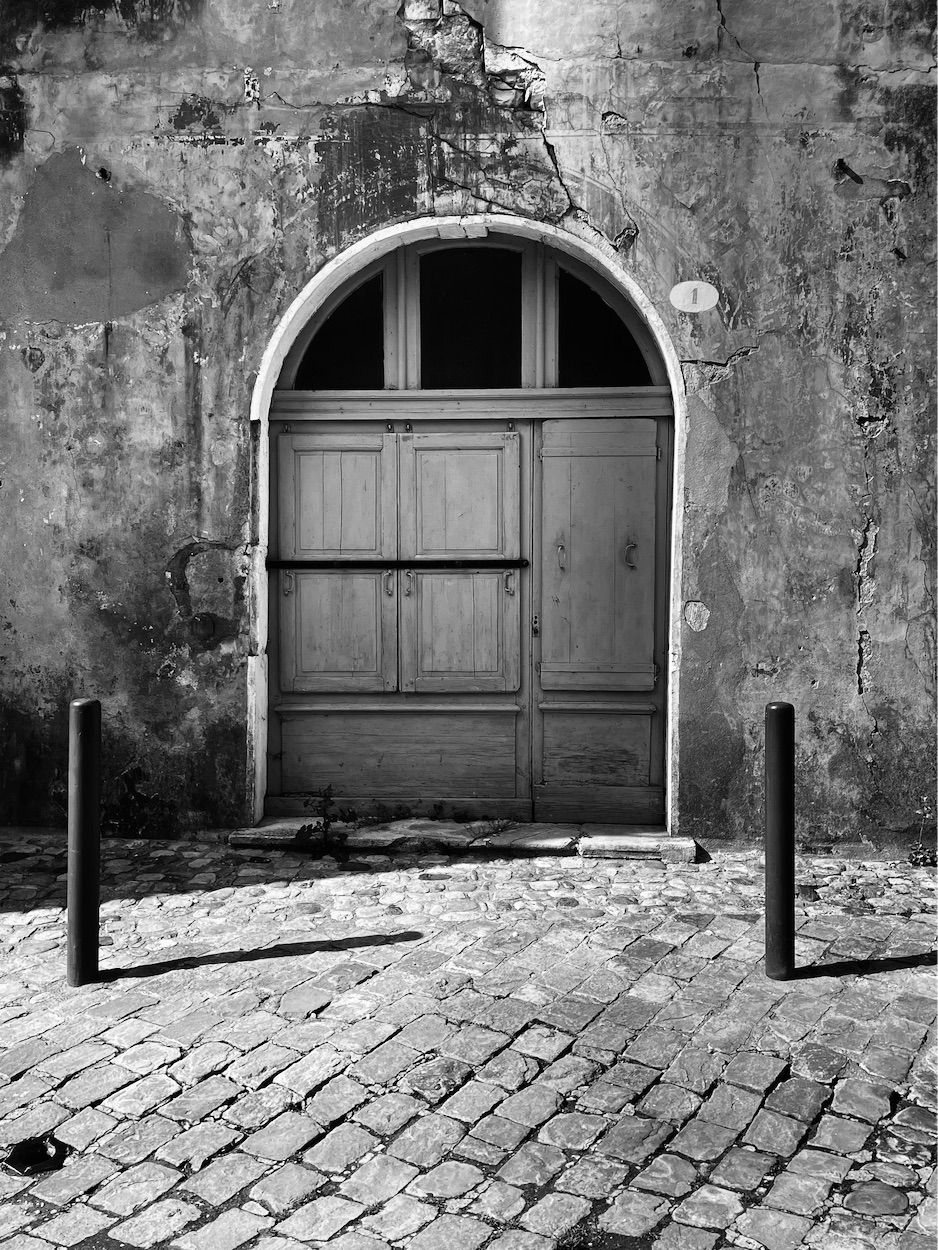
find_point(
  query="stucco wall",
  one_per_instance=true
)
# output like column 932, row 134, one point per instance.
column 172, row 172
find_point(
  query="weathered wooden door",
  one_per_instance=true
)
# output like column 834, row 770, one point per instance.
column 602, row 565
column 473, row 613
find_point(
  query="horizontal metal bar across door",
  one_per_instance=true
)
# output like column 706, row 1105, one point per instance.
column 398, row 564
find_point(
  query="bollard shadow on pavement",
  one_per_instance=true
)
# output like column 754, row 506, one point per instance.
column 865, row 967
column 281, row 950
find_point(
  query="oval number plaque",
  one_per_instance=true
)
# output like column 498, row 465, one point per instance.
column 694, row 297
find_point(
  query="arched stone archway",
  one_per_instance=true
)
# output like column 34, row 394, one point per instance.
column 338, row 274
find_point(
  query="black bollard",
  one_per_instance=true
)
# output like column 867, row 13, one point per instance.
column 779, row 841
column 84, row 839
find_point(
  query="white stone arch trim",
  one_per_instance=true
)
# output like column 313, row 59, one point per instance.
column 337, row 273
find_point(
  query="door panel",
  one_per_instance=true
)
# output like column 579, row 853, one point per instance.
column 401, row 754
column 338, row 630
column 598, row 555
column 596, row 748
column 338, row 496
column 460, row 496
column 460, row 631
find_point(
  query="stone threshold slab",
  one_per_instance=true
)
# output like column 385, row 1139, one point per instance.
column 423, row 836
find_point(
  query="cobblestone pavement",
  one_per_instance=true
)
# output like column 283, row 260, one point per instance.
column 438, row 1053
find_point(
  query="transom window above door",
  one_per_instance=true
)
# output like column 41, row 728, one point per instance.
column 474, row 315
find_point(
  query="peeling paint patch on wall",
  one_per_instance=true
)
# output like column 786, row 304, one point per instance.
column 85, row 250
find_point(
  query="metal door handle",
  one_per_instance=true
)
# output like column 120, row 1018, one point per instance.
column 410, row 582
column 629, row 548
column 389, row 583
column 288, row 583
column 562, row 557
column 509, row 587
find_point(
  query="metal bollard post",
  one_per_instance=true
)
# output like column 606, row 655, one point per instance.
column 779, row 841
column 84, row 839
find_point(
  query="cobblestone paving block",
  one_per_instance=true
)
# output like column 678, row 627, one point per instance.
column 779, row 1134
column 335, row 1100
column 77, row 1177
column 399, row 1218
column 876, row 1198
column 731, row 1107
column 141, row 1184
column 811, row 1162
column 435, row 1079
column 861, row 1100
column 384, row 1064
column 378, row 1179
column 695, row 1069
column 320, row 1219
column 340, row 1148
column 501, row 1133
column 425, row 1033
column 141, row 1096
column 840, row 1135
column 67, row 1063
column 499, row 1201
column 702, row 1140
column 202, row 1061
column 531, row 1106
column 709, row 1207
column 225, row 1177
column 572, row 1130
column 633, row 1214
column 85, row 1127
column 799, row 1097
column 22, row 1241
column 447, row 1180
column 158, row 1225
column 798, row 1193
column 773, row 1229
column 555, row 1214
column 472, row 1102
column 683, row 1237
column 388, row 1113
column 743, row 1169
column 517, row 1239
column 283, row 1136
column 226, row 1232
column 260, row 1106
column 202, row 1099
column 509, row 1070
column 634, row 1139
column 448, row 1231
column 14, row 1216
column 427, row 1140
column 285, row 1188
column 193, row 1148
column 93, row 1085
column 74, row 1225
column 818, row 1063
column 755, row 1071
column 669, row 1102
column 604, row 1098
column 542, row 1043
column 257, row 1066
column 592, row 1177
column 534, row 1164
column 667, row 1174
column 314, row 1069
column 569, row 1073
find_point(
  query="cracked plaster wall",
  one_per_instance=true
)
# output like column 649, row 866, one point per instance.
column 173, row 171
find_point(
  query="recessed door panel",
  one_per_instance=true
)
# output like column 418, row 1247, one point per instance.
column 460, row 496
column 598, row 555
column 338, row 496
column 596, row 748
column 460, row 631
column 338, row 630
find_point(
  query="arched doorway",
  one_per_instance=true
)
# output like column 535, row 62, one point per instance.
column 471, row 448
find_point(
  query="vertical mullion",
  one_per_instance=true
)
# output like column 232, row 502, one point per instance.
column 410, row 300
column 394, row 345
column 531, row 316
column 551, row 321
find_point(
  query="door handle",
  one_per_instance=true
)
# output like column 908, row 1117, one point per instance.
column 509, row 585
column 409, row 584
column 629, row 548
column 389, row 583
column 288, row 583
column 562, row 557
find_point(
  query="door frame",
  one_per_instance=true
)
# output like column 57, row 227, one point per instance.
column 337, row 274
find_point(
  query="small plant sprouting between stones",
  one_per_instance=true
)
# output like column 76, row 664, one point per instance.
column 319, row 836
column 923, row 856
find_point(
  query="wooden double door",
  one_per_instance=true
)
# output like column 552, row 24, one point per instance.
column 472, row 614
